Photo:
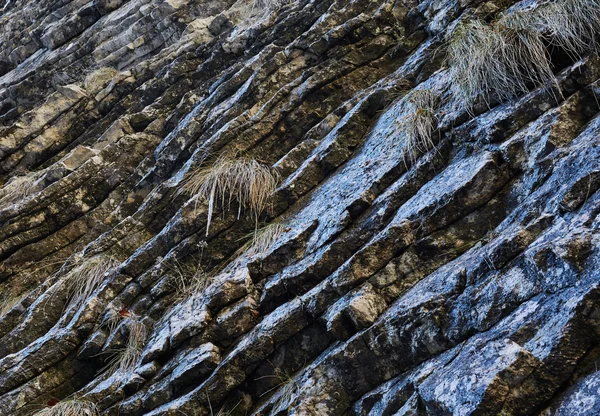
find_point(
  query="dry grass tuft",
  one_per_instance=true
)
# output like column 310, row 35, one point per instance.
column 7, row 303
column 247, row 181
column 418, row 126
column 497, row 61
column 288, row 397
column 262, row 239
column 112, row 320
column 223, row 411
column 401, row 88
column 189, row 279
column 572, row 25
column 288, row 394
column 96, row 80
column 69, row 407
column 18, row 188
column 86, row 276
column 269, row 5
column 125, row 360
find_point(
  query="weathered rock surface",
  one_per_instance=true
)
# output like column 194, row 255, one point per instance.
column 465, row 283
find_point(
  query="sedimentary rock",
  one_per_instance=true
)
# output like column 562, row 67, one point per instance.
column 462, row 281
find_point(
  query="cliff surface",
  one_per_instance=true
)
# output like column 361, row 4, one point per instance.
column 456, row 279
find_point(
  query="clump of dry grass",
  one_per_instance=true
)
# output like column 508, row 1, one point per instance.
column 262, row 239
column 125, row 360
column 86, row 276
column 269, row 4
column 96, row 80
column 288, row 397
column 496, row 61
column 418, row 126
column 18, row 188
column 7, row 303
column 499, row 61
column 189, row 279
column 572, row 25
column 69, row 407
column 247, row 181
column 112, row 320
column 401, row 88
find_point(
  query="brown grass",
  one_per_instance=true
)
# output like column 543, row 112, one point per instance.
column 262, row 239
column 189, row 279
column 18, row 188
column 418, row 126
column 125, row 360
column 96, row 80
column 247, row 181
column 497, row 61
column 86, row 276
column 70, row 407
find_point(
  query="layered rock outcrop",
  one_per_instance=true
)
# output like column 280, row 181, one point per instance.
column 463, row 282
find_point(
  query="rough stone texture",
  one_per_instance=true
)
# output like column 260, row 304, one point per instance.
column 466, row 283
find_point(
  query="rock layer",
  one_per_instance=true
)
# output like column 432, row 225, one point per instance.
column 464, row 282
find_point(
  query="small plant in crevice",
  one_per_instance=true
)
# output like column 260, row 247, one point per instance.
column 401, row 87
column 86, row 276
column 189, row 279
column 269, row 5
column 288, row 393
column 114, row 318
column 69, row 407
column 7, row 302
column 224, row 410
column 97, row 79
column 18, row 188
column 262, row 239
column 418, row 126
column 288, row 397
column 495, row 61
column 245, row 180
column 125, row 360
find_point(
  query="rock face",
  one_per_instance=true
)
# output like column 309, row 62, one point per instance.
column 465, row 282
